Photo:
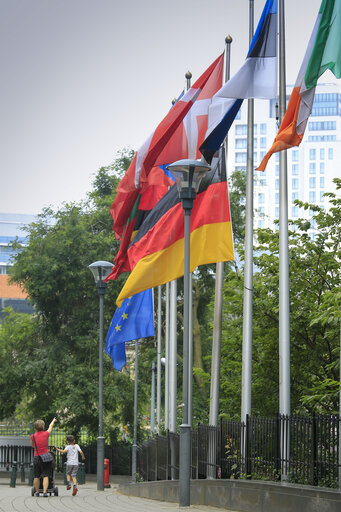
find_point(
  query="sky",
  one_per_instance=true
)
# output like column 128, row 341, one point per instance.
column 83, row 79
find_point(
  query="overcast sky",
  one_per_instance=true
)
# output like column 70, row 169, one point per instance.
column 82, row 79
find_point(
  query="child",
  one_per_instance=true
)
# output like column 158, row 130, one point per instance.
column 72, row 450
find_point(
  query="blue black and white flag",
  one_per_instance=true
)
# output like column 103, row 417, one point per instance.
column 133, row 320
column 257, row 78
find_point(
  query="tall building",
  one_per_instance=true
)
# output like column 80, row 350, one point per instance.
column 11, row 227
column 311, row 167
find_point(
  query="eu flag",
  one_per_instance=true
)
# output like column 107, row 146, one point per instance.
column 133, row 320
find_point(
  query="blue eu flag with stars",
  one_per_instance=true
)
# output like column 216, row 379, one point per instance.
column 133, row 320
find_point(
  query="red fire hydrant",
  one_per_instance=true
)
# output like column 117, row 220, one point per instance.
column 106, row 474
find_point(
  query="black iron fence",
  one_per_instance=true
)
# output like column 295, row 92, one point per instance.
column 303, row 449
column 119, row 458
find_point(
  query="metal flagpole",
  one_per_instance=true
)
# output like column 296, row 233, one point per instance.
column 190, row 349
column 152, row 402
column 134, row 447
column 248, row 264
column 284, row 326
column 167, row 360
column 172, row 389
column 158, row 366
column 218, row 308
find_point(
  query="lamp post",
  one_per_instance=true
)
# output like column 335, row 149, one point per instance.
column 188, row 174
column 100, row 270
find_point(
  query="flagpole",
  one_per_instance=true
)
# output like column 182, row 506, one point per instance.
column 167, row 360
column 188, row 77
column 134, row 447
column 152, row 402
column 158, row 367
column 248, row 262
column 172, row 389
column 218, row 308
column 284, row 321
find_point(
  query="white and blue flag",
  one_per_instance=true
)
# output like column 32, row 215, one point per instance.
column 257, row 78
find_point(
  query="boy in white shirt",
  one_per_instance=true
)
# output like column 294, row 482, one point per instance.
column 72, row 449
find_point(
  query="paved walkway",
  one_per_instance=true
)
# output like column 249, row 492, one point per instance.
column 88, row 499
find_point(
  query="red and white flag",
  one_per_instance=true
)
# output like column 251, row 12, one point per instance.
column 179, row 135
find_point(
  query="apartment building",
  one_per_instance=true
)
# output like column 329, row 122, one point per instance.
column 311, row 167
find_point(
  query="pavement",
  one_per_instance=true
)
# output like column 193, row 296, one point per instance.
column 88, row 499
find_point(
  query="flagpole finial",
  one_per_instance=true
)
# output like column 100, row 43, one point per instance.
column 188, row 75
column 228, row 39
column 174, row 100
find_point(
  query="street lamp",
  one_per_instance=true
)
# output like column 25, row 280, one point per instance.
column 188, row 174
column 100, row 270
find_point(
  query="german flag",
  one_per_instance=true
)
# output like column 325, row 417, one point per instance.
column 156, row 254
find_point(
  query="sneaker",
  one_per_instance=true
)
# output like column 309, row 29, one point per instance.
column 68, row 487
column 36, row 494
column 74, row 492
column 45, row 495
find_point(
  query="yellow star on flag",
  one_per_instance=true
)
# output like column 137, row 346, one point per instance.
column 125, row 316
column 118, row 327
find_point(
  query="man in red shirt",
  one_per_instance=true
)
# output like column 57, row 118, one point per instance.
column 40, row 443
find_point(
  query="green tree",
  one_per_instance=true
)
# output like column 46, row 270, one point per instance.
column 314, row 255
column 61, row 364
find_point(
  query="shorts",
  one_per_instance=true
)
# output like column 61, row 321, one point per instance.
column 41, row 468
column 71, row 470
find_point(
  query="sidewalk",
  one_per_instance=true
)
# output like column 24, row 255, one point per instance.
column 88, row 499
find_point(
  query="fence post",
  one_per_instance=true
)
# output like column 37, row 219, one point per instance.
column 13, row 474
column 314, row 475
column 278, row 446
column 65, row 479
column 248, row 447
column 30, row 475
column 22, row 472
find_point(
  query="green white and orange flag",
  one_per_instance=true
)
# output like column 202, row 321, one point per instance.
column 323, row 52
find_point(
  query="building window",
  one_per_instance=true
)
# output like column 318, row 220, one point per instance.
column 330, row 154
column 312, row 168
column 322, row 125
column 277, row 211
column 255, row 129
column 277, row 184
column 322, row 168
column 312, row 197
column 261, row 211
column 312, row 182
column 277, row 198
column 322, row 182
column 263, row 128
column 294, row 196
column 277, row 157
column 294, row 211
column 241, row 158
column 321, row 138
column 321, row 153
column 321, row 197
column 295, row 155
column 262, row 154
column 261, row 198
column 263, row 142
column 241, row 143
column 294, row 184
column 241, row 129
column 277, row 170
column 294, row 170
column 261, row 224
column 312, row 154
